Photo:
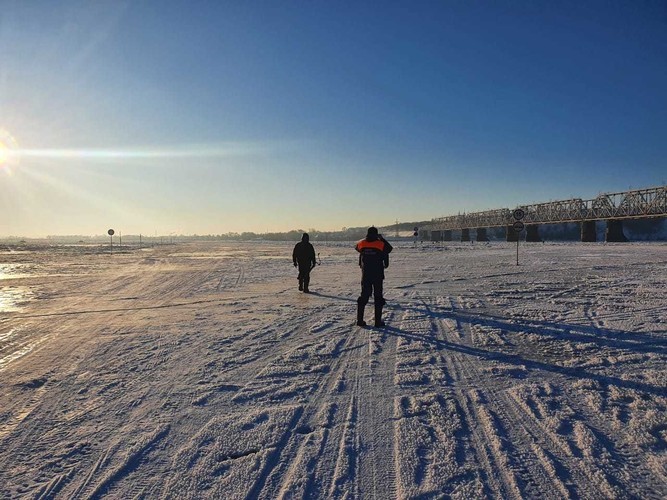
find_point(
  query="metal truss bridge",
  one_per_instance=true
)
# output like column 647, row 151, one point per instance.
column 635, row 204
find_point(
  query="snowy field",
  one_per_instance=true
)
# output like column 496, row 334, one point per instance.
column 199, row 371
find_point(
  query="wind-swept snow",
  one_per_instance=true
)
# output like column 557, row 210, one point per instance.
column 198, row 370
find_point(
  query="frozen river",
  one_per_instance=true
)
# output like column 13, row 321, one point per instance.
column 198, row 370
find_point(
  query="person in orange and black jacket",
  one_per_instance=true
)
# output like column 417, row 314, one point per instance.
column 303, row 256
column 373, row 259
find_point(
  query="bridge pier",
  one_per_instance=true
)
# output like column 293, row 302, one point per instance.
column 465, row 234
column 447, row 235
column 614, row 232
column 533, row 233
column 481, row 234
column 511, row 234
column 588, row 231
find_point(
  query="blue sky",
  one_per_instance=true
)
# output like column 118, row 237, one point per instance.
column 208, row 117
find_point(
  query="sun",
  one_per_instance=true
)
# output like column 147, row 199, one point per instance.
column 4, row 154
column 8, row 150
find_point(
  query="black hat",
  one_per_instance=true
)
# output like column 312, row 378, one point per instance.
column 372, row 231
column 305, row 237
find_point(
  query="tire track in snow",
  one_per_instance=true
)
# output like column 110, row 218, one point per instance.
column 632, row 471
column 344, row 482
column 20, row 348
column 498, row 479
column 168, row 410
column 20, row 414
column 320, row 423
column 290, row 471
column 53, row 487
column 377, row 473
column 590, row 480
column 241, row 276
column 541, row 477
column 240, row 279
column 488, row 433
column 274, row 470
column 127, row 464
column 433, row 444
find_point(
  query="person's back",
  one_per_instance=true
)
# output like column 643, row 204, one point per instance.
column 304, row 252
column 373, row 256
column 303, row 256
column 373, row 259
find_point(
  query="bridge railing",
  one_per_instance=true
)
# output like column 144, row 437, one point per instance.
column 651, row 202
column 556, row 211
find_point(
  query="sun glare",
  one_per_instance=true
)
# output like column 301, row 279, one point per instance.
column 8, row 150
column 4, row 154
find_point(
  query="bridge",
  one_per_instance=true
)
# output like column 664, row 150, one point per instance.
column 610, row 207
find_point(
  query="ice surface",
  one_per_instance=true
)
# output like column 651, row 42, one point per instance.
column 199, row 370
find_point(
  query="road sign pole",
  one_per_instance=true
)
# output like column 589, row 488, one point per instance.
column 518, row 226
column 110, row 233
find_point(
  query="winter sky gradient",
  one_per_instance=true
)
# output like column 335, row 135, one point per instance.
column 209, row 117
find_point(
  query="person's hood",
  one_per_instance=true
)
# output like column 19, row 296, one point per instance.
column 305, row 238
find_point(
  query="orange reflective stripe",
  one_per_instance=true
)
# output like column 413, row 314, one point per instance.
column 377, row 245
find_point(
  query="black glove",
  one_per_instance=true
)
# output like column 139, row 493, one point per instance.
column 295, row 264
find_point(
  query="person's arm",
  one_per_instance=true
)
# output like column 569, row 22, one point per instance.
column 294, row 254
column 387, row 246
column 385, row 253
column 313, row 260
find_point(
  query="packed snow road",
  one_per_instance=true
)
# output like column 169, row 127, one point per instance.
column 198, row 370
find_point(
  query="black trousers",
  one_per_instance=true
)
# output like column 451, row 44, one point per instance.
column 371, row 287
column 304, row 274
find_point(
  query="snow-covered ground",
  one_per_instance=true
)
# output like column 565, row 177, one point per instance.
column 198, row 370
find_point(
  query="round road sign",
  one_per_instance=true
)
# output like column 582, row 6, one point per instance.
column 518, row 226
column 518, row 214
column 110, row 232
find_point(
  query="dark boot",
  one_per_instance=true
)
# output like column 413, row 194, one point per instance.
column 378, row 315
column 360, row 314
column 306, row 282
column 300, row 285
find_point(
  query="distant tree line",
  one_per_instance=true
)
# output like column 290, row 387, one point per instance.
column 345, row 234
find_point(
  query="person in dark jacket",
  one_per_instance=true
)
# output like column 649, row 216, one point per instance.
column 303, row 256
column 373, row 259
